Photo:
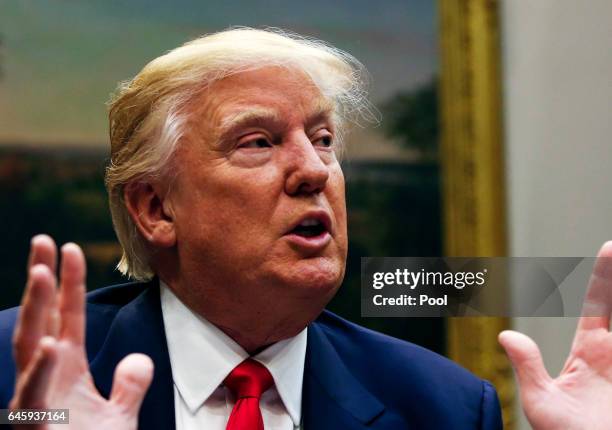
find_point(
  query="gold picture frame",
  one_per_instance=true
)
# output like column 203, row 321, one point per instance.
column 473, row 174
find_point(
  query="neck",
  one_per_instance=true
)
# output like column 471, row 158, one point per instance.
column 252, row 324
column 256, row 337
column 253, row 315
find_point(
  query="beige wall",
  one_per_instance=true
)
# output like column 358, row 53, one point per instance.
column 557, row 63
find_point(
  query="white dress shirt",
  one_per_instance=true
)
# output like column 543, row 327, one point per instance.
column 201, row 356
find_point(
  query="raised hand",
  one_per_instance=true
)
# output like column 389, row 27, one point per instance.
column 52, row 367
column 581, row 396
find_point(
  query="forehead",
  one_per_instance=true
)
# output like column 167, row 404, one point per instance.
column 271, row 93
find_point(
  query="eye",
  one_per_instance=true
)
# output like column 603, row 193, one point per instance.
column 258, row 142
column 325, row 140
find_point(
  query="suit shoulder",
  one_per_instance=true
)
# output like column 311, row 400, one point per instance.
column 411, row 380
column 116, row 295
column 340, row 330
column 103, row 305
column 364, row 348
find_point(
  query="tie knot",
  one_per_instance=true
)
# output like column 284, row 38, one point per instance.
column 248, row 379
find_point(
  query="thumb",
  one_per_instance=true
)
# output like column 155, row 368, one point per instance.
column 526, row 359
column 132, row 378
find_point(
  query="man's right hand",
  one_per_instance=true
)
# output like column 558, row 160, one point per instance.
column 49, row 348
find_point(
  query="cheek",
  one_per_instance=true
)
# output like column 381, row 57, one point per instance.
column 237, row 208
column 339, row 207
column 337, row 200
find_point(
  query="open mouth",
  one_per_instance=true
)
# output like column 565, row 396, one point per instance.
column 309, row 228
column 312, row 232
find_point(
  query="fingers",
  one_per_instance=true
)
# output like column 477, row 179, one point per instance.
column 598, row 300
column 132, row 379
column 34, row 315
column 33, row 386
column 43, row 251
column 72, row 294
column 526, row 359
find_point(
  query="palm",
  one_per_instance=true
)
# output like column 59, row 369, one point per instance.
column 72, row 388
column 580, row 397
column 52, row 367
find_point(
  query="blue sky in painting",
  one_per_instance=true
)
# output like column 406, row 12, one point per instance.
column 61, row 59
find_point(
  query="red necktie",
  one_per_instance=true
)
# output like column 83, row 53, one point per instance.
column 247, row 382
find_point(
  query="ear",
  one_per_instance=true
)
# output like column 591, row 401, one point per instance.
column 151, row 213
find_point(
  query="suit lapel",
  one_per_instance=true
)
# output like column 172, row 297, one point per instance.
column 333, row 398
column 139, row 327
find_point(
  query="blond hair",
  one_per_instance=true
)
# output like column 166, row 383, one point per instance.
column 148, row 114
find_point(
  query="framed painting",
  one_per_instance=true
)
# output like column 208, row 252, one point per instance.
column 424, row 173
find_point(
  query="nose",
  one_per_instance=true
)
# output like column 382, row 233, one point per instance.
column 307, row 173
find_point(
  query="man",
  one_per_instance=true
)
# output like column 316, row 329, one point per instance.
column 228, row 200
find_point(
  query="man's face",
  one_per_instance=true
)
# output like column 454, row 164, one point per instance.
column 258, row 201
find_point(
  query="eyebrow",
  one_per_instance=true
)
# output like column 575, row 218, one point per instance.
column 244, row 118
column 258, row 115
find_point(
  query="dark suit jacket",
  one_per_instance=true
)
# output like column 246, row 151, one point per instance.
column 354, row 378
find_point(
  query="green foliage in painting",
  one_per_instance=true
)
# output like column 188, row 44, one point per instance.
column 411, row 117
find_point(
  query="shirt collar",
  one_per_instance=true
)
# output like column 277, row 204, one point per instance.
column 201, row 356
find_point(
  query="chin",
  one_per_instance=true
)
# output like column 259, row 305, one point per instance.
column 316, row 277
